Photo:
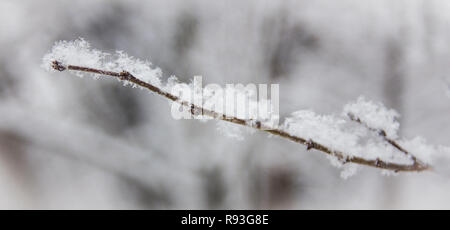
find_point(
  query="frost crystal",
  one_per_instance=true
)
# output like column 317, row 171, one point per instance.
column 328, row 130
column 340, row 134
column 80, row 53
column 374, row 115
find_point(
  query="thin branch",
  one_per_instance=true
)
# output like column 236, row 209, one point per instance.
column 310, row 144
column 383, row 135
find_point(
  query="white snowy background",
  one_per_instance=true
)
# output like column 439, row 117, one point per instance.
column 68, row 142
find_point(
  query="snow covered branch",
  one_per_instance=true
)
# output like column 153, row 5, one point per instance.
column 366, row 133
column 383, row 134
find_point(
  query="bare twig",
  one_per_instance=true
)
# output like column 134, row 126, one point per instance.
column 310, row 144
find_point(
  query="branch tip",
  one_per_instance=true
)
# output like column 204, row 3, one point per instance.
column 58, row 66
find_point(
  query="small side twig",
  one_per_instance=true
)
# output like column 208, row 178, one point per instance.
column 310, row 144
column 383, row 135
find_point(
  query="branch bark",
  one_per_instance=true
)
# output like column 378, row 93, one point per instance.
column 310, row 144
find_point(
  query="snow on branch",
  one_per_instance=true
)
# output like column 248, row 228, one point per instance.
column 366, row 133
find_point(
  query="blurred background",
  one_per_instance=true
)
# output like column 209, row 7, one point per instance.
column 67, row 142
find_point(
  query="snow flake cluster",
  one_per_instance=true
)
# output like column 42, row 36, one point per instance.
column 358, row 135
column 80, row 53
column 374, row 115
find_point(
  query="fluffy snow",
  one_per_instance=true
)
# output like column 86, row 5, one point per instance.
column 349, row 170
column 230, row 130
column 80, row 53
column 374, row 115
column 419, row 148
column 325, row 129
column 340, row 134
